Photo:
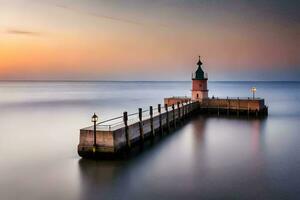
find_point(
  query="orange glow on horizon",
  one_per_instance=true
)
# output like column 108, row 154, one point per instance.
column 76, row 40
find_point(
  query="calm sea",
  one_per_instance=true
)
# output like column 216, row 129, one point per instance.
column 209, row 158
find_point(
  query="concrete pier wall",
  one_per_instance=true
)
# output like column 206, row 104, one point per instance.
column 236, row 103
column 105, row 140
column 241, row 104
column 114, row 140
column 174, row 100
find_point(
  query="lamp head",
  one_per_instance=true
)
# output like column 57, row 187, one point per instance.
column 253, row 89
column 94, row 118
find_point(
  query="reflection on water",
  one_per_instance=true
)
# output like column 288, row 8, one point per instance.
column 209, row 158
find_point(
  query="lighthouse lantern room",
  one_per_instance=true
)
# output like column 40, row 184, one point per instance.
column 199, row 84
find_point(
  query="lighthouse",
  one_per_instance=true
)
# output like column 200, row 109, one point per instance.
column 199, row 84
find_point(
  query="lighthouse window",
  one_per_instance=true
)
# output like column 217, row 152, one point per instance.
column 197, row 96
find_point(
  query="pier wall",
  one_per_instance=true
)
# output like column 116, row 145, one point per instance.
column 115, row 138
column 241, row 104
column 174, row 100
column 105, row 140
column 236, row 103
column 112, row 141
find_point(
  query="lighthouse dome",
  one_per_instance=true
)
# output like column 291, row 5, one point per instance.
column 199, row 72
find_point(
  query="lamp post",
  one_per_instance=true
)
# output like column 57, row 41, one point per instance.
column 253, row 89
column 94, row 120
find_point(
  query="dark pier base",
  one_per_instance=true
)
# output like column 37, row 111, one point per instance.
column 233, row 112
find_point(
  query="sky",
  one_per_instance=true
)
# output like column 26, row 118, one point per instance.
column 149, row 40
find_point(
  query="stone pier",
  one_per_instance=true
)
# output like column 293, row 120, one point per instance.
column 111, row 139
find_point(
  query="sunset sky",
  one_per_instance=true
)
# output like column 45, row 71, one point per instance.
column 149, row 40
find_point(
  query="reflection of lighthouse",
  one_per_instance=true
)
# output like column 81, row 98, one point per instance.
column 199, row 85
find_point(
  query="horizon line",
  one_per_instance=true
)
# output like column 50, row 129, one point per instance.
column 70, row 80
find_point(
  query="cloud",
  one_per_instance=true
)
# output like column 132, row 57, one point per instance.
column 22, row 32
column 124, row 20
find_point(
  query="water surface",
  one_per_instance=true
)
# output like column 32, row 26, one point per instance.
column 211, row 158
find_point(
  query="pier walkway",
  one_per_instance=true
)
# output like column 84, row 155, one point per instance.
column 122, row 132
column 114, row 135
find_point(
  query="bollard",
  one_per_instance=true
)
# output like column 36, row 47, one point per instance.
column 160, row 120
column 167, row 118
column 178, row 107
column 151, row 121
column 174, row 117
column 141, row 125
column 125, row 119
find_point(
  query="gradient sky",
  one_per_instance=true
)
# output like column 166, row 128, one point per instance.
column 149, row 40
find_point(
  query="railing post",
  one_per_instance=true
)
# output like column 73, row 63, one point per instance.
column 125, row 119
column 248, row 108
column 191, row 108
column 188, row 108
column 160, row 120
column 182, row 106
column 228, row 106
column 185, row 109
column 167, row 117
column 207, row 110
column 174, row 117
column 178, row 107
column 218, row 106
column 151, row 121
column 238, row 110
column 141, row 125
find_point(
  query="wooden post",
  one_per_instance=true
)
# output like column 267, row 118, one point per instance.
column 248, row 109
column 207, row 110
column 218, row 106
column 151, row 121
column 183, row 110
column 186, row 109
column 189, row 107
column 167, row 117
column 228, row 106
column 160, row 120
column 238, row 109
column 125, row 119
column 141, row 125
column 178, row 107
column 174, row 117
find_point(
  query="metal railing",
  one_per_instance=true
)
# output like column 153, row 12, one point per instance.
column 236, row 98
column 118, row 122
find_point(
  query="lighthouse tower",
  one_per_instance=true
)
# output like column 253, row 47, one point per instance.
column 199, row 84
